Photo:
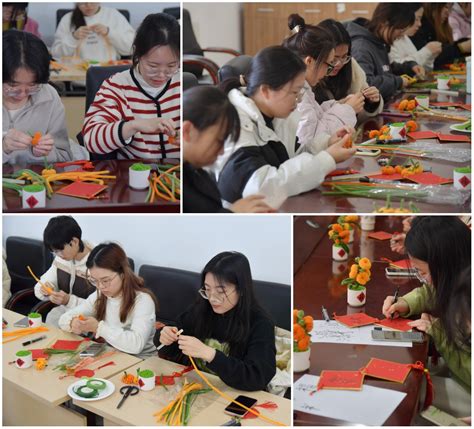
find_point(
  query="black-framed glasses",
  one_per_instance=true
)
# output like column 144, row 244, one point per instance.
column 219, row 295
column 105, row 282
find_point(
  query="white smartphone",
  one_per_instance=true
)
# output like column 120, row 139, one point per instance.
column 394, row 272
column 236, row 410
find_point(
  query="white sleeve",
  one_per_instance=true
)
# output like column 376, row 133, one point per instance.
column 134, row 339
column 50, row 276
column 74, row 301
column 121, row 34
column 64, row 42
column 86, row 308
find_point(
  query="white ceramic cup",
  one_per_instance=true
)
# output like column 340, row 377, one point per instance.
column 23, row 359
column 146, row 383
column 356, row 298
column 338, row 253
column 301, row 360
column 367, row 223
column 423, row 100
column 33, row 197
column 398, row 131
column 34, row 322
column 138, row 179
column 462, row 178
column 443, row 82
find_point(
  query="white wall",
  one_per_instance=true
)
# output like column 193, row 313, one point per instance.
column 216, row 25
column 45, row 14
column 185, row 242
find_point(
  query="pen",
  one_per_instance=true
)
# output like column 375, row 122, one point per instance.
column 162, row 345
column 26, row 343
column 325, row 314
column 395, row 299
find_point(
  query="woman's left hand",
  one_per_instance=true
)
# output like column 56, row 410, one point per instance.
column 341, row 132
column 44, row 146
column 419, row 71
column 101, row 29
column 424, row 323
column 89, row 324
column 372, row 94
column 191, row 346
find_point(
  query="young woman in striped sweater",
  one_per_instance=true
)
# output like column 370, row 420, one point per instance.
column 137, row 112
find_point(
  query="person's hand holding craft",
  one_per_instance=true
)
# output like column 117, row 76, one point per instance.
column 101, row 29
column 81, row 32
column 423, row 323
column 44, row 146
column 153, row 125
column 356, row 101
column 340, row 133
column 389, row 308
column 88, row 324
column 59, row 297
column 339, row 152
column 47, row 288
column 372, row 94
column 168, row 335
column 16, row 140
column 397, row 243
column 191, row 346
column 419, row 71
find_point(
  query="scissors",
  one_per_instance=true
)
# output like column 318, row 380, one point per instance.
column 127, row 391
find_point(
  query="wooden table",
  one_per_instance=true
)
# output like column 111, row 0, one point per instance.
column 318, row 282
column 315, row 202
column 71, row 73
column 34, row 398
column 208, row 410
column 121, row 198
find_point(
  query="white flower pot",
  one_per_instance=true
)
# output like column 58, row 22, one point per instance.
column 35, row 322
column 462, row 178
column 398, row 131
column 367, row 223
column 33, row 197
column 443, row 82
column 338, row 253
column 146, row 383
column 423, row 100
column 23, row 359
column 356, row 298
column 301, row 360
column 138, row 179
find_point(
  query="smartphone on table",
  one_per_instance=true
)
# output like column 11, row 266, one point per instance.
column 93, row 350
column 236, row 410
column 395, row 272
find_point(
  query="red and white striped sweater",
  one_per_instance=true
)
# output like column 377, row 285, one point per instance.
column 121, row 99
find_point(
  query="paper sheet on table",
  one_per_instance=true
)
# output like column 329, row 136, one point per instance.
column 334, row 332
column 370, row 406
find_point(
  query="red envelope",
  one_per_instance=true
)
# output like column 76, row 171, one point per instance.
column 404, row 264
column 398, row 324
column 387, row 370
column 453, row 138
column 356, row 319
column 395, row 176
column 428, row 178
column 39, row 353
column 416, row 135
column 380, row 235
column 82, row 190
column 66, row 344
column 341, row 380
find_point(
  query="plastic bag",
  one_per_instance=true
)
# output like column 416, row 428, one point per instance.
column 438, row 151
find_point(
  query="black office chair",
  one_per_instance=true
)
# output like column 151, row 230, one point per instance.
column 193, row 55
column 173, row 11
column 189, row 80
column 61, row 12
column 22, row 251
column 235, row 67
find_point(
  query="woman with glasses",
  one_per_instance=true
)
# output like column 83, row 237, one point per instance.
column 435, row 27
column 94, row 33
column 315, row 47
column 121, row 310
column 439, row 248
column 136, row 112
column 347, row 82
column 30, row 104
column 226, row 330
column 266, row 158
column 66, row 277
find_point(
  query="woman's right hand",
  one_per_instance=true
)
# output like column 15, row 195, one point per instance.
column 389, row 308
column 77, row 326
column 16, row 140
column 252, row 204
column 356, row 101
column 435, row 47
column 339, row 152
column 168, row 335
column 82, row 32
column 397, row 243
column 154, row 125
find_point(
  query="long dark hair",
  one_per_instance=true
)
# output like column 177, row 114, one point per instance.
column 308, row 40
column 24, row 50
column 337, row 85
column 112, row 257
column 444, row 243
column 205, row 106
column 157, row 29
column 233, row 268
column 17, row 8
column 395, row 15
column 432, row 13
column 77, row 19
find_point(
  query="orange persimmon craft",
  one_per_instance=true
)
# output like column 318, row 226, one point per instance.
column 36, row 138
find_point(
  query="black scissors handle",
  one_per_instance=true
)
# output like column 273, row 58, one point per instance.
column 127, row 391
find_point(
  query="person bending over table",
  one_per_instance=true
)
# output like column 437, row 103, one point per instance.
column 121, row 310
column 439, row 248
column 136, row 112
column 226, row 330
column 34, row 123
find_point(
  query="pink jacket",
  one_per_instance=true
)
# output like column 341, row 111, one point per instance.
column 32, row 27
column 460, row 23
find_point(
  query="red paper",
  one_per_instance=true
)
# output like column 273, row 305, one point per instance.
column 82, row 190
column 342, row 172
column 404, row 264
column 341, row 380
column 380, row 235
column 445, row 104
column 165, row 380
column 395, row 176
column 66, row 344
column 84, row 373
column 39, row 353
column 453, row 138
column 356, row 319
column 398, row 324
column 428, row 178
column 422, row 135
column 387, row 370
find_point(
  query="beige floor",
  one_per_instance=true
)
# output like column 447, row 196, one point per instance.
column 74, row 114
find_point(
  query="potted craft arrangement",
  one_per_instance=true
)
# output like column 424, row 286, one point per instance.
column 302, row 327
column 350, row 222
column 462, row 178
column 146, row 379
column 138, row 176
column 34, row 320
column 359, row 276
column 340, row 238
column 33, row 196
column 23, row 359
